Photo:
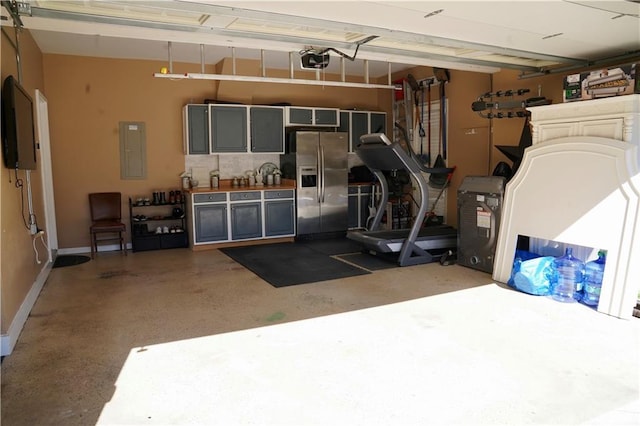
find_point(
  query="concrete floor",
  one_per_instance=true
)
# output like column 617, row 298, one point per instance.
column 182, row 337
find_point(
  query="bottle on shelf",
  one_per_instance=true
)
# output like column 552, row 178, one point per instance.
column 594, row 272
column 568, row 277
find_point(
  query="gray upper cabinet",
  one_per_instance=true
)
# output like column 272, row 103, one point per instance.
column 196, row 127
column 299, row 116
column 344, row 121
column 359, row 127
column 312, row 116
column 326, row 117
column 362, row 123
column 267, row 129
column 378, row 122
column 228, row 128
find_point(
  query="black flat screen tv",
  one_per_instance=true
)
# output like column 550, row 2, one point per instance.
column 18, row 134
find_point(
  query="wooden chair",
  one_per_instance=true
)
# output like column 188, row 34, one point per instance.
column 106, row 218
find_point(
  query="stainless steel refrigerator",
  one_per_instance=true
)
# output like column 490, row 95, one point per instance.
column 318, row 162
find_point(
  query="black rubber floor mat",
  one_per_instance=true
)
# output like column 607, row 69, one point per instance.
column 332, row 246
column 69, row 260
column 287, row 264
column 368, row 261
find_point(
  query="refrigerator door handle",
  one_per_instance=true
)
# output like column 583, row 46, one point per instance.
column 322, row 172
column 320, row 175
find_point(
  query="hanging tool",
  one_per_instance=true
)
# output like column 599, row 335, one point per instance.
column 429, row 122
column 426, row 159
column 439, row 180
column 416, row 88
column 431, row 214
column 442, row 75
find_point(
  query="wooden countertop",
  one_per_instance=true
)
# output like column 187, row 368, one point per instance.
column 226, row 186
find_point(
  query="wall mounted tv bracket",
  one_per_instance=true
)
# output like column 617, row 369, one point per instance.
column 487, row 106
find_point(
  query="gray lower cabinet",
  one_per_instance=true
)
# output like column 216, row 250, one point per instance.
column 279, row 212
column 246, row 214
column 279, row 217
column 238, row 215
column 246, row 220
column 210, row 223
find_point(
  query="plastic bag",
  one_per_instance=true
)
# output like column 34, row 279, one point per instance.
column 532, row 276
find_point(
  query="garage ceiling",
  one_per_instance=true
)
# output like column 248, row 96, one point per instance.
column 483, row 36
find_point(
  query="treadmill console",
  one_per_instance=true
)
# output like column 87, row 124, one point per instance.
column 375, row 139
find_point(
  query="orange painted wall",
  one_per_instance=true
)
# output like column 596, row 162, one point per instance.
column 468, row 135
column 19, row 267
column 88, row 97
column 508, row 131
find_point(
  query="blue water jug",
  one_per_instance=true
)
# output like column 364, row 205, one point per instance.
column 568, row 277
column 594, row 271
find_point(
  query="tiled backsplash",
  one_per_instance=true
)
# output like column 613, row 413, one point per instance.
column 230, row 165
column 238, row 164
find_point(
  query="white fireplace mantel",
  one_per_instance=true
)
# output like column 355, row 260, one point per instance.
column 579, row 184
column 615, row 117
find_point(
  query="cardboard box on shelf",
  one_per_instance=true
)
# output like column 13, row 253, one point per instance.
column 602, row 83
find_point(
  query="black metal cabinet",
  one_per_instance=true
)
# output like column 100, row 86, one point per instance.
column 267, row 129
column 228, row 128
column 158, row 226
column 279, row 213
column 354, row 211
column 359, row 206
column 196, row 118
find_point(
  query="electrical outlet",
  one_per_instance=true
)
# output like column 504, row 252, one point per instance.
column 33, row 229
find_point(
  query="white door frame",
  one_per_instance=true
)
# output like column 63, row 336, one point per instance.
column 42, row 113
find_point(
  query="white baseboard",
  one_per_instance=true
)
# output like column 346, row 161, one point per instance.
column 8, row 341
column 87, row 250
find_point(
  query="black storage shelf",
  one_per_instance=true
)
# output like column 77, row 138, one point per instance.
column 143, row 235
